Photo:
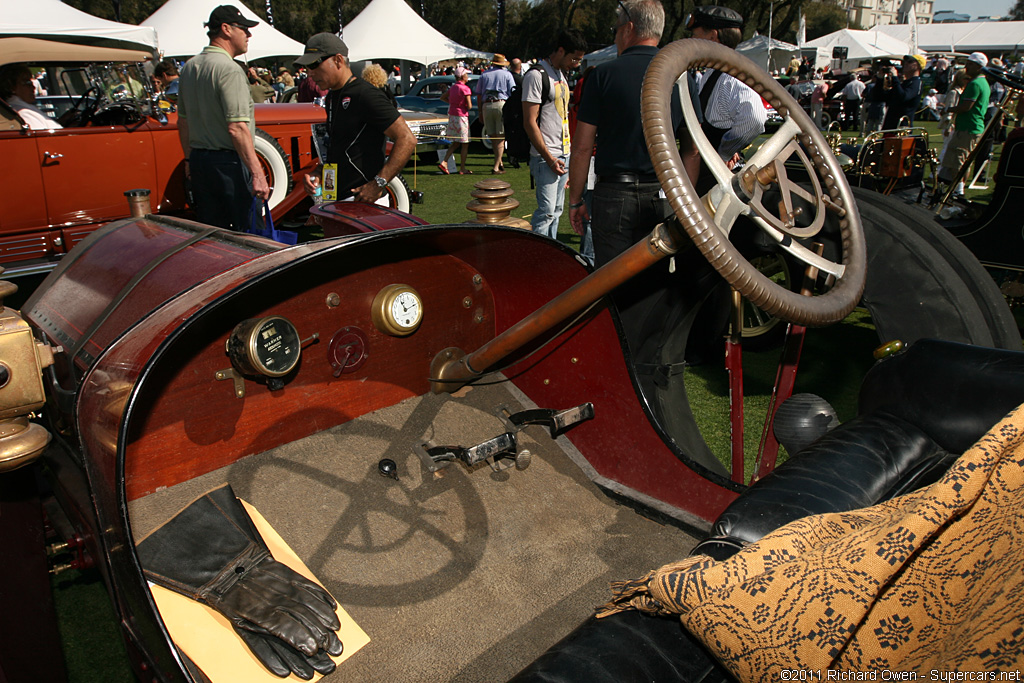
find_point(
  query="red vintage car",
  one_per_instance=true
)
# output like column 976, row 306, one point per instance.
column 445, row 425
column 60, row 185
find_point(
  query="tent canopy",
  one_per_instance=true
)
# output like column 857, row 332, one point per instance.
column 596, row 57
column 390, row 29
column 179, row 23
column 756, row 49
column 862, row 44
column 975, row 36
column 54, row 22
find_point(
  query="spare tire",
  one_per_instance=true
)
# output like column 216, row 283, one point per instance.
column 275, row 166
column 991, row 302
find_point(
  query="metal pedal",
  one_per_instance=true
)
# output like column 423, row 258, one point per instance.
column 557, row 421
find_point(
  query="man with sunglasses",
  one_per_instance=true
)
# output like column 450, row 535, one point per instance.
column 216, row 125
column 627, row 200
column 359, row 119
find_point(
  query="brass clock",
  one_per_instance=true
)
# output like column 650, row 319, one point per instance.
column 397, row 310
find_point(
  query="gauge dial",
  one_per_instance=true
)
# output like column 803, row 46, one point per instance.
column 265, row 346
column 397, row 310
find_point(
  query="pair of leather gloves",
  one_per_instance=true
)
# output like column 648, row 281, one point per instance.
column 212, row 552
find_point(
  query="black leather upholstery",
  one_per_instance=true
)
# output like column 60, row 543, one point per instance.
column 919, row 411
column 626, row 648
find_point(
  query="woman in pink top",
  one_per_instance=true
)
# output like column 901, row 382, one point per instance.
column 460, row 100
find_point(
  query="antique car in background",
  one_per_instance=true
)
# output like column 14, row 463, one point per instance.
column 61, row 185
column 425, row 95
column 484, row 370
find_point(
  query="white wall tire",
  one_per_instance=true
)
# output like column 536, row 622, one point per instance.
column 275, row 165
column 397, row 193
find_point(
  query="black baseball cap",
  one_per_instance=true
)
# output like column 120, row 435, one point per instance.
column 322, row 45
column 228, row 14
column 714, row 16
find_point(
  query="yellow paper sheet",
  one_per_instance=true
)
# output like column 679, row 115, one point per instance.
column 208, row 639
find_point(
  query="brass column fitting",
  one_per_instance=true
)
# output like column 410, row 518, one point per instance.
column 493, row 204
column 138, row 203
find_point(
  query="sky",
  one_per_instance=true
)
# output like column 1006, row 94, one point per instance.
column 976, row 8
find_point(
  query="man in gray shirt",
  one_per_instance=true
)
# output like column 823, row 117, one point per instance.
column 546, row 120
column 216, row 123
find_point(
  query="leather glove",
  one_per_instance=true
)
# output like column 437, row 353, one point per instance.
column 212, row 553
column 281, row 659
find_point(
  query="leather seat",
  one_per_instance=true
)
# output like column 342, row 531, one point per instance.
column 919, row 410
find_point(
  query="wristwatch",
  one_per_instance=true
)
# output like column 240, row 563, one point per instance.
column 381, row 183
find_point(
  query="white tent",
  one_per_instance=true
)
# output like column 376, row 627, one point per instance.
column 976, row 36
column 55, row 22
column 861, row 45
column 605, row 54
column 390, row 29
column 179, row 24
column 756, row 49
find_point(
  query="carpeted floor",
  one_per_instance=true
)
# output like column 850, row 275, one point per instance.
column 457, row 576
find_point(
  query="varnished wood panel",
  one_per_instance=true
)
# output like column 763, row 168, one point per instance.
column 194, row 423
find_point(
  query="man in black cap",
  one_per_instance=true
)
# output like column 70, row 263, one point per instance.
column 216, row 124
column 733, row 115
column 359, row 118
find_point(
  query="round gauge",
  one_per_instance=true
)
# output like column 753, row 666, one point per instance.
column 397, row 310
column 264, row 346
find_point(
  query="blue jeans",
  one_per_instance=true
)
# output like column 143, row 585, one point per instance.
column 550, row 196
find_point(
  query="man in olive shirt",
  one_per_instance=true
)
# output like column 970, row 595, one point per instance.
column 216, row 125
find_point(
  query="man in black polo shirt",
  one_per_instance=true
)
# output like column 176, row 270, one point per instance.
column 359, row 118
column 628, row 201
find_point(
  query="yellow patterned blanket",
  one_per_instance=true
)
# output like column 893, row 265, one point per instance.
column 929, row 583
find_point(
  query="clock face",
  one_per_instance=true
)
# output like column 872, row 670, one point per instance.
column 397, row 310
column 405, row 310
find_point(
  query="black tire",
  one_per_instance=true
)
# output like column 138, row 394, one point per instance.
column 987, row 296
column 912, row 293
column 275, row 165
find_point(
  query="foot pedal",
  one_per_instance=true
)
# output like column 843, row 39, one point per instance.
column 557, row 421
column 502, row 447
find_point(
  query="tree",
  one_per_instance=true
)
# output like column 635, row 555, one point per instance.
column 1017, row 13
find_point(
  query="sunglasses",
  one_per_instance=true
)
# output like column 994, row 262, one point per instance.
column 244, row 28
column 316, row 65
column 615, row 29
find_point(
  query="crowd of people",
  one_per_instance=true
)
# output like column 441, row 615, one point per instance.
column 586, row 138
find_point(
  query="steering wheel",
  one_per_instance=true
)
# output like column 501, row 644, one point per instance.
column 84, row 113
column 708, row 220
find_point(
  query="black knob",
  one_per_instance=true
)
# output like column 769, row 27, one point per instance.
column 388, row 468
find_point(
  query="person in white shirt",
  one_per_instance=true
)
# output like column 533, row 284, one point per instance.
column 734, row 115
column 931, row 106
column 17, row 88
column 853, row 94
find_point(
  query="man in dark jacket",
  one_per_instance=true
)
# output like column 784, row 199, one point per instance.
column 901, row 93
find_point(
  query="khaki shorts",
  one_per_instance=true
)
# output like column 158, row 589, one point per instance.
column 960, row 145
column 494, row 124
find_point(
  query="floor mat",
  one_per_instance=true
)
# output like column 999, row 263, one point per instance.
column 463, row 575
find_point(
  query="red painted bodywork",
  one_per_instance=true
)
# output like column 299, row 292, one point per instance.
column 61, row 185
column 338, row 219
